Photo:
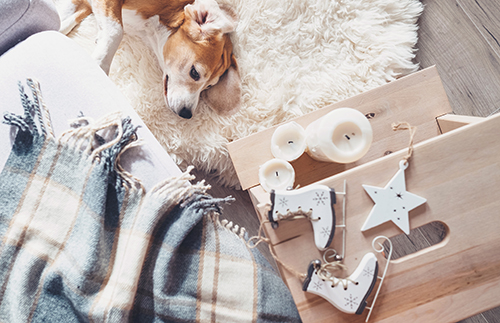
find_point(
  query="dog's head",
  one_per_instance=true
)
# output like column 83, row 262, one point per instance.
column 199, row 60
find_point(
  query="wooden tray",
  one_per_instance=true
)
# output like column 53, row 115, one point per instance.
column 457, row 172
column 418, row 99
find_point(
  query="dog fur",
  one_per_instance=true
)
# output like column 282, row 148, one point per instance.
column 189, row 37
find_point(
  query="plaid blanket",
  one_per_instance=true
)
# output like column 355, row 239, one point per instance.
column 81, row 239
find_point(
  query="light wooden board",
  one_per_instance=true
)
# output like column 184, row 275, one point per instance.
column 459, row 174
column 450, row 122
column 417, row 98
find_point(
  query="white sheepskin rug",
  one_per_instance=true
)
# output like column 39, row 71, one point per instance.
column 294, row 56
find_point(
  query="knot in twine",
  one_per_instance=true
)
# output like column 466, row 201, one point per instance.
column 406, row 126
column 328, row 270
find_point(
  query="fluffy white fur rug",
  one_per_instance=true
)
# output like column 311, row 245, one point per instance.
column 294, row 56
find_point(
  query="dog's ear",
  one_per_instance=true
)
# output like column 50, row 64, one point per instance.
column 174, row 21
column 225, row 96
column 210, row 18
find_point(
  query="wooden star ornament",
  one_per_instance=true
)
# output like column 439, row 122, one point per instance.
column 392, row 202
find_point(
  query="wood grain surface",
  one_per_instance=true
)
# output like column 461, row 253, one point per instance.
column 459, row 177
column 418, row 98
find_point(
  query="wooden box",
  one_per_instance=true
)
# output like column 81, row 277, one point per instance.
column 458, row 172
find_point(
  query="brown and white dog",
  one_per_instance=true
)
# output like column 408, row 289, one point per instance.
column 190, row 39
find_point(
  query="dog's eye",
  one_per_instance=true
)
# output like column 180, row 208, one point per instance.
column 194, row 74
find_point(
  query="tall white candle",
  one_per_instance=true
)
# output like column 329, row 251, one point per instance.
column 277, row 174
column 288, row 141
column 344, row 135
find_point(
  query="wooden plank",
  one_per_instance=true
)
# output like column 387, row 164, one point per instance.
column 485, row 15
column 475, row 319
column 458, row 173
column 417, row 98
column 450, row 122
column 492, row 315
column 469, row 67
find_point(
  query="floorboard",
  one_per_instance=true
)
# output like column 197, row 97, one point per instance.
column 475, row 319
column 468, row 65
column 492, row 316
column 484, row 16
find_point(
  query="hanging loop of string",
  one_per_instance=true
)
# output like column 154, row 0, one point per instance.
column 325, row 271
column 260, row 238
column 412, row 129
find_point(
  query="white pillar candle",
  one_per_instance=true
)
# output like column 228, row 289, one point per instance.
column 277, row 174
column 288, row 141
column 343, row 136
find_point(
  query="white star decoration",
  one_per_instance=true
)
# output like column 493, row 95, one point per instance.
column 392, row 203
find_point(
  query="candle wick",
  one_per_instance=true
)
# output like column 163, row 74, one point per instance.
column 277, row 174
column 348, row 138
column 290, row 141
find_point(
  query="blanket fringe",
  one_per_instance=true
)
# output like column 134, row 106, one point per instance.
column 185, row 193
column 235, row 229
column 87, row 135
column 182, row 192
column 36, row 108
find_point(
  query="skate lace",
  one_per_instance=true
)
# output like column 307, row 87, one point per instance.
column 292, row 214
column 327, row 272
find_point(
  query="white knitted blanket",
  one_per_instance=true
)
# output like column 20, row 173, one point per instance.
column 295, row 56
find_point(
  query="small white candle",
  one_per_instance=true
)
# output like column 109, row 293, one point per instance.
column 288, row 141
column 344, row 135
column 277, row 174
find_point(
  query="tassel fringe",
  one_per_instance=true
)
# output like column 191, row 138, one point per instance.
column 86, row 135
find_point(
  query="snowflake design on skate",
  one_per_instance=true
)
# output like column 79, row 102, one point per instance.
column 325, row 231
column 317, row 286
column 351, row 301
column 283, row 202
column 320, row 199
column 368, row 272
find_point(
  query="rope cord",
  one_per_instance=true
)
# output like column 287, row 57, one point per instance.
column 260, row 238
column 406, row 126
column 326, row 270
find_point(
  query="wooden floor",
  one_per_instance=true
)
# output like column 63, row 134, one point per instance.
column 461, row 37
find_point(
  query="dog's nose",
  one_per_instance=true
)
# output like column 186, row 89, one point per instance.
column 185, row 113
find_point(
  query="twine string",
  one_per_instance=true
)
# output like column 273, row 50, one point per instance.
column 260, row 238
column 325, row 271
column 412, row 129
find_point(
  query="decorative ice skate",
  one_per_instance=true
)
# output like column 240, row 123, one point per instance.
column 315, row 202
column 347, row 294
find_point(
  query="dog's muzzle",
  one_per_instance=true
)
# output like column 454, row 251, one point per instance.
column 185, row 113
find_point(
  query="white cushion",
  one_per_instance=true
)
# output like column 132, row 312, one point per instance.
column 72, row 82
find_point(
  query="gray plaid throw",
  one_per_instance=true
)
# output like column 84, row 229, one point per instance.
column 82, row 241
